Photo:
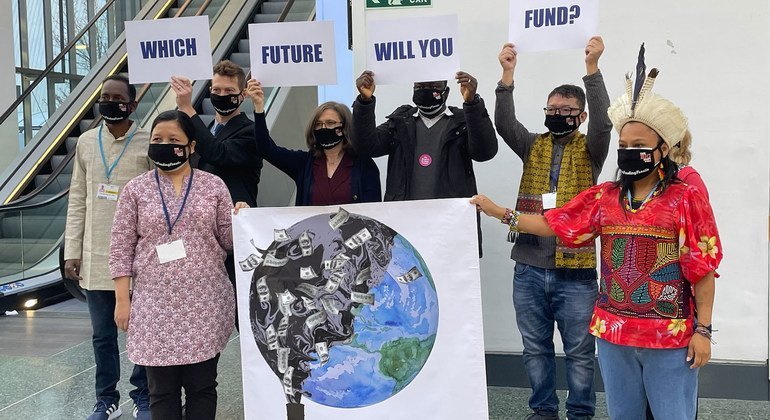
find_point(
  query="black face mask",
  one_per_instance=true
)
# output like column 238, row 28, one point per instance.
column 114, row 112
column 168, row 157
column 327, row 138
column 560, row 126
column 430, row 101
column 637, row 163
column 226, row 104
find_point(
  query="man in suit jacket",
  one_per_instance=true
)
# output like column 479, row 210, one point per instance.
column 227, row 148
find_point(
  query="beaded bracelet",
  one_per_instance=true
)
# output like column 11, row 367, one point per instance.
column 506, row 220
column 705, row 331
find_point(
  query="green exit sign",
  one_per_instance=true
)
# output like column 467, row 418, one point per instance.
column 371, row 4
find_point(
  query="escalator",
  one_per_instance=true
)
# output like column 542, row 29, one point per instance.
column 34, row 189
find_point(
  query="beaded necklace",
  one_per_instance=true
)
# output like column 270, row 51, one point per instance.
column 656, row 190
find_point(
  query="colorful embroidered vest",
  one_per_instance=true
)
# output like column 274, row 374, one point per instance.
column 575, row 176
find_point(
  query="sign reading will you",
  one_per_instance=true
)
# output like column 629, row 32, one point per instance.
column 293, row 53
column 159, row 49
column 370, row 4
column 413, row 49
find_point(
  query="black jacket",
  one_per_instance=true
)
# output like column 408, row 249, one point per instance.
column 469, row 136
column 232, row 156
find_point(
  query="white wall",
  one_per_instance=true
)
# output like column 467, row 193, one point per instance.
column 9, row 132
column 716, row 71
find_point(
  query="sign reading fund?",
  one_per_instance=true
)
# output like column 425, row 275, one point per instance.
column 293, row 53
column 413, row 49
column 159, row 49
column 543, row 25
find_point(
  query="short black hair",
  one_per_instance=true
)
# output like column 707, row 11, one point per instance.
column 181, row 118
column 570, row 91
column 121, row 78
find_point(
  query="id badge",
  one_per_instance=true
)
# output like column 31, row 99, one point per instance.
column 107, row 192
column 171, row 251
column 549, row 201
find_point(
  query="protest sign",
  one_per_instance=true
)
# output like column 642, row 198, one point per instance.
column 543, row 25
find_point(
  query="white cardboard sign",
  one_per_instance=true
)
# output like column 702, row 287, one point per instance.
column 413, row 49
column 364, row 311
column 293, row 53
column 159, row 49
column 544, row 25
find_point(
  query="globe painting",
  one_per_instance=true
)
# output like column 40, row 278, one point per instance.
column 343, row 309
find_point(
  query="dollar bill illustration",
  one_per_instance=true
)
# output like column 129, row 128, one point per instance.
column 333, row 282
column 309, row 304
column 272, row 261
column 307, row 289
column 322, row 350
column 327, row 264
column 307, row 273
column 410, row 276
column 358, row 239
column 329, row 305
column 283, row 359
column 305, row 244
column 339, row 219
column 288, row 376
column 363, row 276
column 262, row 290
column 272, row 338
column 280, row 235
column 285, row 300
column 316, row 319
column 339, row 261
column 364, row 298
column 250, row 263
column 283, row 326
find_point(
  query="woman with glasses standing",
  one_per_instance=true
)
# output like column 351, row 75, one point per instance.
column 329, row 172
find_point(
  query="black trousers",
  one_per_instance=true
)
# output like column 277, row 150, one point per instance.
column 199, row 381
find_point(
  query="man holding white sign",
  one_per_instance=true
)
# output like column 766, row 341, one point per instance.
column 550, row 282
column 430, row 153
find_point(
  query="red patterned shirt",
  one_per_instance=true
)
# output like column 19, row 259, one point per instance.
column 649, row 261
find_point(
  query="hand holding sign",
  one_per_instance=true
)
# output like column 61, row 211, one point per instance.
column 365, row 84
column 594, row 50
column 182, row 86
column 544, row 25
column 508, row 59
column 257, row 95
column 468, row 85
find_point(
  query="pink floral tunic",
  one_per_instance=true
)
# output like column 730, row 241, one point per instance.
column 183, row 311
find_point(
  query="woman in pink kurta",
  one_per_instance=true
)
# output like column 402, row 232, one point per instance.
column 181, row 311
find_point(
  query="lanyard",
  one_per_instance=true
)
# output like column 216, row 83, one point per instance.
column 163, row 201
column 646, row 199
column 108, row 169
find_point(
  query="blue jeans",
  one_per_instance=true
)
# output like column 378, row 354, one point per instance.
column 101, row 307
column 540, row 299
column 636, row 376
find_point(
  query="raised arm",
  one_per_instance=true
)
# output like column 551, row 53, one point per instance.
column 370, row 140
column 482, row 141
column 599, row 124
column 515, row 135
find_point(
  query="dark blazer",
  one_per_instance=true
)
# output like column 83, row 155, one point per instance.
column 298, row 164
column 232, row 156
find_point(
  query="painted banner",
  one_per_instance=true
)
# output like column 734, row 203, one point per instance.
column 159, row 49
column 365, row 311
column 293, row 53
column 544, row 25
column 413, row 49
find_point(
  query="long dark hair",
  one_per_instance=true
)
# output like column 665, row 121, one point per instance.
column 670, row 171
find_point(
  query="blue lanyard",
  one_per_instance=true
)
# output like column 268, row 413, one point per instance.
column 108, row 169
column 646, row 199
column 163, row 201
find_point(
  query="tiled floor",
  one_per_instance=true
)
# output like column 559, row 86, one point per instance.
column 46, row 372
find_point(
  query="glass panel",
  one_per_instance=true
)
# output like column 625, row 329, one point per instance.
column 10, row 238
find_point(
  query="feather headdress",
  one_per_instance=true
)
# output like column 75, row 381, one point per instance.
column 641, row 105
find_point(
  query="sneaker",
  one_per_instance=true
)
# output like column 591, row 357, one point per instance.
column 103, row 411
column 142, row 409
column 537, row 416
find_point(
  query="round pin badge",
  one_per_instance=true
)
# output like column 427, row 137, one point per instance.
column 425, row 160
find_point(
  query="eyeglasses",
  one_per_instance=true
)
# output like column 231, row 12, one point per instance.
column 327, row 124
column 561, row 111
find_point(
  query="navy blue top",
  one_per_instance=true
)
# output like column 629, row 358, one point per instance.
column 298, row 165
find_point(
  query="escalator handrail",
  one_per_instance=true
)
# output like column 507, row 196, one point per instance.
column 285, row 11
column 49, row 68
column 51, row 178
column 28, row 206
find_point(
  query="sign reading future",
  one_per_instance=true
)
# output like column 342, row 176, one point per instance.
column 293, row 53
column 159, row 49
column 371, row 4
